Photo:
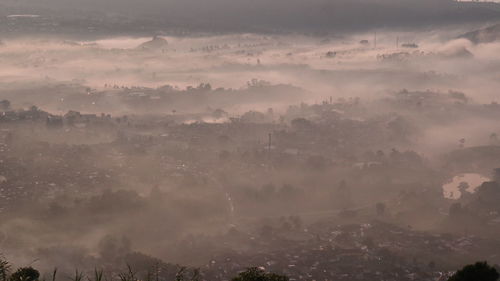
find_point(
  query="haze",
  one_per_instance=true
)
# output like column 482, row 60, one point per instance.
column 318, row 140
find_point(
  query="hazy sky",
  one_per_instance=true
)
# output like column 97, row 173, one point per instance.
column 319, row 15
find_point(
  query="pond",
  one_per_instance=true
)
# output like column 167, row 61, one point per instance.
column 470, row 181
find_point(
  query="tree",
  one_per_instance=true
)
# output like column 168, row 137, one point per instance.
column 4, row 269
column 25, row 274
column 257, row 274
column 480, row 271
column 456, row 210
column 493, row 138
column 256, row 83
column 461, row 143
column 380, row 207
column 301, row 124
column 4, row 105
column 462, row 187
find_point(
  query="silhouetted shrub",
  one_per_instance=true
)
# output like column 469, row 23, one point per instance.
column 257, row 274
column 480, row 271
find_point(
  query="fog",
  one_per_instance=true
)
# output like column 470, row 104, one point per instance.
column 304, row 138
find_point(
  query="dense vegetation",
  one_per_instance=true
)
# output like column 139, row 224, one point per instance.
column 480, row 271
column 31, row 274
column 475, row 272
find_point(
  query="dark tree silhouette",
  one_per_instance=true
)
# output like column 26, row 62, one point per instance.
column 480, row 271
column 4, row 105
column 25, row 274
column 256, row 274
column 4, row 269
column 380, row 207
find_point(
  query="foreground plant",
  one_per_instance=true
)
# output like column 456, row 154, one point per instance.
column 480, row 271
column 257, row 274
column 4, row 269
column 25, row 274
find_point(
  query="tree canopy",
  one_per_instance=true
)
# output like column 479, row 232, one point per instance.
column 480, row 271
column 257, row 274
